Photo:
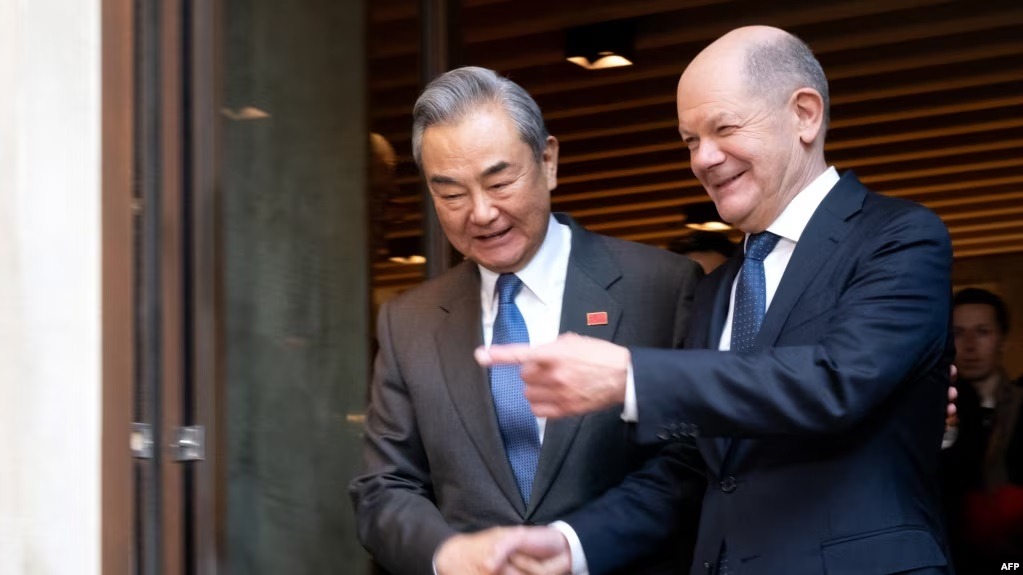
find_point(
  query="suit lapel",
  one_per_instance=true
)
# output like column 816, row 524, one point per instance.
column 824, row 232
column 590, row 272
column 828, row 226
column 468, row 383
column 722, row 297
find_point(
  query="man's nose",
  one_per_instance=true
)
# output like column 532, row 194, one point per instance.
column 966, row 342
column 483, row 209
column 706, row 155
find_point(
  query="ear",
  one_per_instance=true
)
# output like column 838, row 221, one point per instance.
column 808, row 106
column 550, row 162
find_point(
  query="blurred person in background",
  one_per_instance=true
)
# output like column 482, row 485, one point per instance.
column 982, row 465
column 709, row 249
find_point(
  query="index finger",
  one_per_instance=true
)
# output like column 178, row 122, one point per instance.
column 508, row 354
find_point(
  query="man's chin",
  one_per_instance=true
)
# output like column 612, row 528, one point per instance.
column 971, row 376
column 499, row 265
column 500, row 260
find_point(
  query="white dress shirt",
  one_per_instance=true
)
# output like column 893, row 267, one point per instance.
column 539, row 301
column 789, row 227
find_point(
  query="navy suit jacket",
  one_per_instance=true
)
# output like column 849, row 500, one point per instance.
column 822, row 444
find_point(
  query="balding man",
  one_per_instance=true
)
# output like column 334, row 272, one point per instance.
column 816, row 398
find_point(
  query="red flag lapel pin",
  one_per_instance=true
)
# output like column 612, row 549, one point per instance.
column 596, row 318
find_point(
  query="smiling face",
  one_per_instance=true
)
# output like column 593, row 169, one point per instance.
column 738, row 151
column 491, row 195
column 753, row 152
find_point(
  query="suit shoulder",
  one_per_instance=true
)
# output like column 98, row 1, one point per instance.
column 630, row 255
column 891, row 210
column 895, row 207
column 435, row 291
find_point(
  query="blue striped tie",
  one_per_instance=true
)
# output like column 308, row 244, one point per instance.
column 514, row 417
column 751, row 293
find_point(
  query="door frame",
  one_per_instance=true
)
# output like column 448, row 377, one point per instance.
column 117, row 490
column 160, row 346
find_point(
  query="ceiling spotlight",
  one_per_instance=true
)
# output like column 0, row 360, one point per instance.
column 413, row 259
column 704, row 217
column 601, row 45
column 405, row 250
column 245, row 113
column 709, row 226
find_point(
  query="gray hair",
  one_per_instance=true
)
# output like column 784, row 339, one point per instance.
column 454, row 95
column 782, row 66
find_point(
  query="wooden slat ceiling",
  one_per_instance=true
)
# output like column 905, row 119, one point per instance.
column 927, row 104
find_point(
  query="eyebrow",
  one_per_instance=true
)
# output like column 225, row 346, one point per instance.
column 449, row 181
column 446, row 180
column 716, row 118
column 496, row 168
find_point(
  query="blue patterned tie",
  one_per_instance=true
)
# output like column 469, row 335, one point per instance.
column 750, row 293
column 514, row 417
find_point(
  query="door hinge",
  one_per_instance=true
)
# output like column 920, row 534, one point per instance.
column 141, row 441
column 189, row 443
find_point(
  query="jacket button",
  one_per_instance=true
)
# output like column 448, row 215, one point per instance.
column 728, row 484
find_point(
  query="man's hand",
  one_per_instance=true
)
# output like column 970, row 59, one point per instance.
column 542, row 551
column 951, row 420
column 471, row 553
column 490, row 552
column 571, row 376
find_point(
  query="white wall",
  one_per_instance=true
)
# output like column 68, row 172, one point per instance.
column 50, row 387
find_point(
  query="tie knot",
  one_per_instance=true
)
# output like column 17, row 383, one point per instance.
column 758, row 246
column 508, row 286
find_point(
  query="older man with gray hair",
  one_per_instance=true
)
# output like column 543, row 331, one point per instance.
column 453, row 454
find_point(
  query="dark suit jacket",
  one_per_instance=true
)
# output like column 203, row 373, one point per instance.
column 822, row 444
column 435, row 463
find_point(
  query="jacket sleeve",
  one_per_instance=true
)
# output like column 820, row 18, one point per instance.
column 888, row 327
column 396, row 517
column 656, row 504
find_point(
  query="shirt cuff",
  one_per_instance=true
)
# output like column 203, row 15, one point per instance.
column 949, row 439
column 630, row 413
column 579, row 566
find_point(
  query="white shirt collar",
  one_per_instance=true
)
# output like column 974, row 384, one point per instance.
column 793, row 219
column 537, row 273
